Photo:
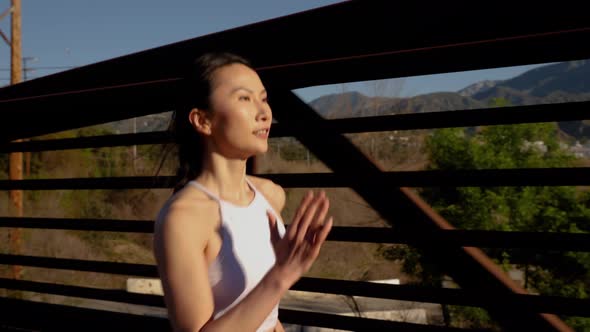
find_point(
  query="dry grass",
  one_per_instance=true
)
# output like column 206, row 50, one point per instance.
column 347, row 260
column 99, row 246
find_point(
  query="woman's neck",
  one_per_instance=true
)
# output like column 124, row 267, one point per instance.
column 225, row 177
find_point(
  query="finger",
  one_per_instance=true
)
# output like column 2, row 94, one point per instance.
column 320, row 217
column 274, row 232
column 320, row 238
column 309, row 216
column 305, row 201
column 303, row 231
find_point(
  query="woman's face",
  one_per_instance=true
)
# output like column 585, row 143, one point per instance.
column 240, row 114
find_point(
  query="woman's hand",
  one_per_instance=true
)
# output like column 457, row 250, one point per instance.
column 299, row 248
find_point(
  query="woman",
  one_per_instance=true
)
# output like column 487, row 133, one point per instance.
column 223, row 254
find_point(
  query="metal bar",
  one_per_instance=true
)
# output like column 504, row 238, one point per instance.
column 441, row 238
column 105, row 225
column 479, row 298
column 567, row 176
column 465, row 238
column 139, row 182
column 570, row 111
column 157, row 137
column 347, row 323
column 433, row 59
column 131, row 269
column 104, row 104
column 39, row 316
column 115, row 295
column 538, row 303
column 53, row 317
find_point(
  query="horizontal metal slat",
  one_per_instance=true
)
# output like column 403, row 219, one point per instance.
column 434, row 59
column 442, row 238
column 106, row 225
column 536, row 303
column 546, row 304
column 115, row 295
column 348, row 323
column 569, row 111
column 40, row 316
column 465, row 238
column 561, row 112
column 129, row 182
column 156, row 137
column 18, row 314
column 131, row 269
column 566, row 176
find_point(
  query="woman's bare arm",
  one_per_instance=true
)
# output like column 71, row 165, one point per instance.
column 180, row 239
column 279, row 327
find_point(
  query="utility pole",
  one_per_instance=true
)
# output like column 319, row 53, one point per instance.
column 16, row 158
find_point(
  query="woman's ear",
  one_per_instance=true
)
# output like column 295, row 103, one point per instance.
column 200, row 121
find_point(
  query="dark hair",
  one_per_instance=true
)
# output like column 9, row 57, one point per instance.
column 196, row 93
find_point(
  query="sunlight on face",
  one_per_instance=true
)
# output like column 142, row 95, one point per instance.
column 241, row 116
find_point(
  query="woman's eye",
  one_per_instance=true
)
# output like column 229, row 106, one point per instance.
column 244, row 98
column 265, row 100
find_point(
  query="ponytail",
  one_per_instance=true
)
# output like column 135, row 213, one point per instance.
column 195, row 94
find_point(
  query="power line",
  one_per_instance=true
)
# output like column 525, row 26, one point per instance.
column 28, row 78
column 44, row 68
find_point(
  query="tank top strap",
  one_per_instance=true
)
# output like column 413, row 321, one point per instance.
column 202, row 188
column 199, row 186
column 263, row 201
column 251, row 185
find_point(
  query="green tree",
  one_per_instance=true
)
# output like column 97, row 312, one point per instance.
column 539, row 209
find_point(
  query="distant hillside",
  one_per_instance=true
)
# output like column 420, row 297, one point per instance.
column 340, row 105
column 144, row 124
column 354, row 104
column 478, row 87
column 556, row 83
column 570, row 77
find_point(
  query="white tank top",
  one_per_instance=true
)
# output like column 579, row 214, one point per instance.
column 246, row 252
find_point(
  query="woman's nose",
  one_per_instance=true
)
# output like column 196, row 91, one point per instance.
column 264, row 112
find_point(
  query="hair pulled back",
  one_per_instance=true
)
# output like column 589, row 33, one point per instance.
column 196, row 94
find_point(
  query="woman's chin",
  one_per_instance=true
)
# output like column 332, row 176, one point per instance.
column 255, row 152
column 262, row 148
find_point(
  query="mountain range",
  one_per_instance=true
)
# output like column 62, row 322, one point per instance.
column 554, row 83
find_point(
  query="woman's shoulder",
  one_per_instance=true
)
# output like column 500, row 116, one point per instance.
column 188, row 209
column 274, row 193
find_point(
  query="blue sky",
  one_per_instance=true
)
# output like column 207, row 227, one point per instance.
column 62, row 33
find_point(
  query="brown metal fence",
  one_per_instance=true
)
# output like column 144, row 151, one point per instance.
column 483, row 284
